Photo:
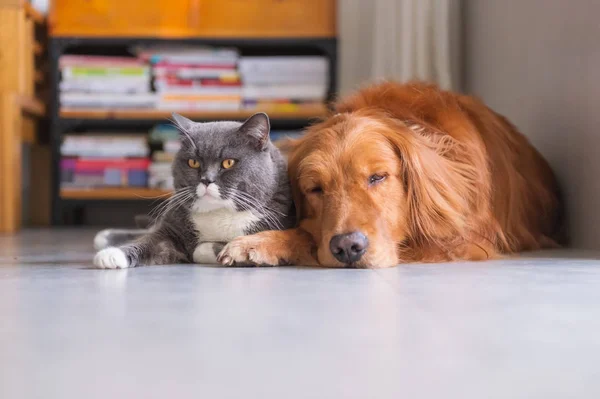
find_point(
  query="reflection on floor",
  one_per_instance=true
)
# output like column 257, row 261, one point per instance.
column 526, row 327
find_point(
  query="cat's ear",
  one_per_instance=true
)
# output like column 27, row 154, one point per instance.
column 182, row 122
column 257, row 127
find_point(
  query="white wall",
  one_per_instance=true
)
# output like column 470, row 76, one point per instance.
column 538, row 63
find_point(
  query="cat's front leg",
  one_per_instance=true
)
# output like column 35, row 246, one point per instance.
column 112, row 258
column 207, row 252
column 151, row 249
column 272, row 248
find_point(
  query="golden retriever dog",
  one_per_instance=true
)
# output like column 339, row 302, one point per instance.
column 410, row 173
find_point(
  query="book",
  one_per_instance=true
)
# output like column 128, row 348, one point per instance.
column 186, row 53
column 106, row 145
column 163, row 156
column 294, row 92
column 279, row 105
column 281, row 69
column 111, row 85
column 197, row 72
column 82, row 172
column 99, row 164
column 190, row 87
column 196, row 105
column 107, row 100
column 174, row 83
column 82, row 72
column 68, row 60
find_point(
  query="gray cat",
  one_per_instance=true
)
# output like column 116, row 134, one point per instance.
column 230, row 180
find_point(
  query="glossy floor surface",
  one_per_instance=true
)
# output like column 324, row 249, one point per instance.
column 516, row 328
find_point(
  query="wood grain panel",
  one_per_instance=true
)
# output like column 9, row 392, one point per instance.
column 193, row 18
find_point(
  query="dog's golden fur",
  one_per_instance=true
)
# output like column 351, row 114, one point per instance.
column 459, row 183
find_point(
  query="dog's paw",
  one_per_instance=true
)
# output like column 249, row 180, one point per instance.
column 111, row 258
column 252, row 250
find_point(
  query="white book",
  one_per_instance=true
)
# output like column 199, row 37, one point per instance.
column 105, row 145
column 289, row 78
column 296, row 92
column 199, row 105
column 285, row 65
column 167, row 89
column 103, row 100
column 116, row 85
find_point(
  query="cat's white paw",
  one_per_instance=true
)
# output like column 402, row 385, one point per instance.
column 111, row 258
column 205, row 253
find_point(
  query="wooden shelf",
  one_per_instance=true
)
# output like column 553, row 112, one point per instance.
column 113, row 193
column 154, row 114
column 33, row 14
column 31, row 106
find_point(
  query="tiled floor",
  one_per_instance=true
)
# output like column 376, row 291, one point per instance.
column 520, row 328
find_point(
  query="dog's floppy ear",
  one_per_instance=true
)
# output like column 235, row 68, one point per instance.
column 443, row 179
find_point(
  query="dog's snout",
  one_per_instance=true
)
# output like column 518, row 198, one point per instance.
column 350, row 247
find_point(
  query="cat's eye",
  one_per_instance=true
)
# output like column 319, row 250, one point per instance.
column 228, row 163
column 376, row 178
column 193, row 163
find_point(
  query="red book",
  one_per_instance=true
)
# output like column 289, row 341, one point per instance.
column 91, row 164
column 172, row 66
column 176, row 81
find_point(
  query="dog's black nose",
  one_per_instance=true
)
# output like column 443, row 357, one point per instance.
column 349, row 248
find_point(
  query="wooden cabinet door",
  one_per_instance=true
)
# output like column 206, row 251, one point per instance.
column 265, row 18
column 121, row 18
column 193, row 18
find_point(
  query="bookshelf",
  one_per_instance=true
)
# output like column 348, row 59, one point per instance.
column 113, row 193
column 67, row 202
column 160, row 115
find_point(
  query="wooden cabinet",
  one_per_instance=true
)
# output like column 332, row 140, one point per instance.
column 20, row 111
column 193, row 18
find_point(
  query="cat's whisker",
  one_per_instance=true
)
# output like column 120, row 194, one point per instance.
column 265, row 194
column 174, row 202
column 180, row 201
column 156, row 196
column 264, row 212
column 158, row 209
column 249, row 198
column 241, row 193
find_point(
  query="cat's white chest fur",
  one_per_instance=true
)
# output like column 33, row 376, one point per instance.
column 222, row 224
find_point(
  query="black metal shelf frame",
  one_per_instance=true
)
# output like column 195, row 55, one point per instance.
column 65, row 45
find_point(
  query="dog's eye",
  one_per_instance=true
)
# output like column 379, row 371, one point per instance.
column 374, row 179
column 316, row 190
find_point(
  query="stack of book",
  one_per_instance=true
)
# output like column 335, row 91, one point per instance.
column 102, row 160
column 284, row 83
column 195, row 78
column 165, row 142
column 277, row 135
column 105, row 82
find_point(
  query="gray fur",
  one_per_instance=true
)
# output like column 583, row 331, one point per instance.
column 257, row 184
